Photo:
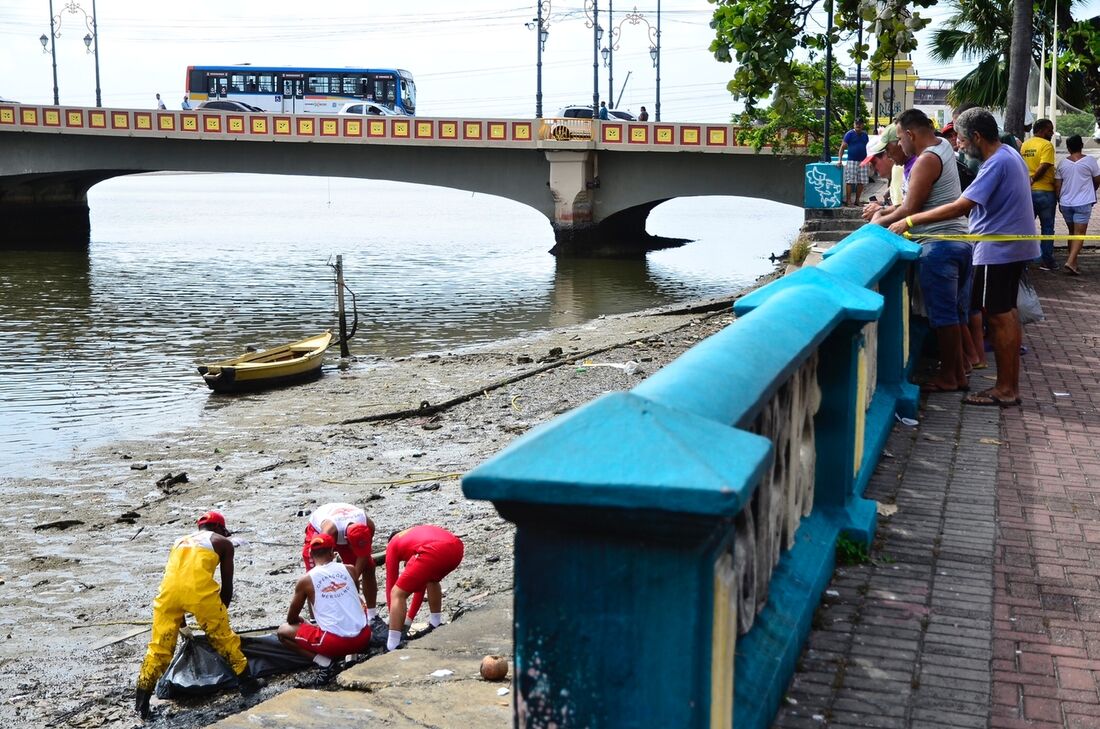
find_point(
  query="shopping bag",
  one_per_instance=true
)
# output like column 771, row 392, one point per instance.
column 1027, row 302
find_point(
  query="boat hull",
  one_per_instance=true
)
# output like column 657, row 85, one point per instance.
column 286, row 365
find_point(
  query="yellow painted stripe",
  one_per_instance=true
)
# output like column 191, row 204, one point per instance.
column 1001, row 237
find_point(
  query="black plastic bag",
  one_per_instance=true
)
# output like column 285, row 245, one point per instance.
column 197, row 669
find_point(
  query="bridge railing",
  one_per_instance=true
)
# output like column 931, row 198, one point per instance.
column 617, row 135
column 655, row 526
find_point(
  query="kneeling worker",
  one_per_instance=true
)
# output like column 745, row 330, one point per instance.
column 341, row 616
column 430, row 553
column 189, row 587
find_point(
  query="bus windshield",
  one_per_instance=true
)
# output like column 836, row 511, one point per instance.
column 299, row 90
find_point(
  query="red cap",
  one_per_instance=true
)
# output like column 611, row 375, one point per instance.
column 322, row 541
column 948, row 127
column 359, row 539
column 212, row 517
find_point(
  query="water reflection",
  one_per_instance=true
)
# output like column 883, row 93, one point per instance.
column 101, row 343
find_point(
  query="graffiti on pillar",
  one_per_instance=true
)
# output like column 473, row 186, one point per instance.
column 766, row 527
column 829, row 192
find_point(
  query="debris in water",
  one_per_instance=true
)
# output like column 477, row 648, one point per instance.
column 832, row 593
column 59, row 524
column 907, row 421
column 170, row 480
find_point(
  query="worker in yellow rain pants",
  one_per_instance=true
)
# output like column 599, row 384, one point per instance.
column 189, row 587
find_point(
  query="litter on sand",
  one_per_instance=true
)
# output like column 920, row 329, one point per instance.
column 442, row 673
column 886, row 509
column 502, row 692
column 1061, row 394
column 907, row 421
column 630, row 367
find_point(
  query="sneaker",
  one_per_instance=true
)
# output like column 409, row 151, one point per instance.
column 1046, row 266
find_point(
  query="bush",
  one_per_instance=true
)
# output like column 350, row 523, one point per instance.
column 1070, row 124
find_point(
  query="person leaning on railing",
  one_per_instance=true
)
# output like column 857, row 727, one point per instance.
column 945, row 266
column 998, row 202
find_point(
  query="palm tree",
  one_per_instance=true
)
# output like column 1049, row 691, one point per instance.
column 1019, row 65
column 982, row 30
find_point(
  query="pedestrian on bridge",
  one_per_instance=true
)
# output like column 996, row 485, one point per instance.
column 603, row 110
column 855, row 174
column 643, row 115
column 160, row 103
column 186, row 104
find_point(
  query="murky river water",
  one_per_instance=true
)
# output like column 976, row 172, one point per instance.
column 101, row 344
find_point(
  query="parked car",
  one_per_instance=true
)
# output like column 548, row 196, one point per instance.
column 367, row 108
column 585, row 112
column 228, row 105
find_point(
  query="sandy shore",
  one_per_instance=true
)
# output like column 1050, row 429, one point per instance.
column 71, row 596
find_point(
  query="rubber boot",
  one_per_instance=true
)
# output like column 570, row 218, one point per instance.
column 249, row 684
column 141, row 703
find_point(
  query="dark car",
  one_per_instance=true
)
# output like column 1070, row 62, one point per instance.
column 585, row 112
column 227, row 105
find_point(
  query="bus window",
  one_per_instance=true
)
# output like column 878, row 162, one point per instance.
column 317, row 84
column 250, row 83
column 211, row 87
column 350, row 86
column 408, row 95
column 265, row 83
column 236, row 83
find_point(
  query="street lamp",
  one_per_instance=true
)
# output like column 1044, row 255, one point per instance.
column 91, row 42
column 53, row 52
column 593, row 22
column 541, row 25
column 636, row 18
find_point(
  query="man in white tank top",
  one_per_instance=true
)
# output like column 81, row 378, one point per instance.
column 341, row 626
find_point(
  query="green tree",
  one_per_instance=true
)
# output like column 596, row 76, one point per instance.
column 786, row 122
column 762, row 36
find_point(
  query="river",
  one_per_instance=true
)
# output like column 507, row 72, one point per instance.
column 102, row 343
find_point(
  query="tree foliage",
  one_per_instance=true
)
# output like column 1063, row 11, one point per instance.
column 763, row 35
column 1070, row 124
column 786, row 122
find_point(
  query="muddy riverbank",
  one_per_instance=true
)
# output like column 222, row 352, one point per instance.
column 73, row 589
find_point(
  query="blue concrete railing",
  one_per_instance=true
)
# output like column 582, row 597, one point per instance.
column 673, row 541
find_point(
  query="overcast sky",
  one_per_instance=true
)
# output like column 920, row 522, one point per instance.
column 474, row 58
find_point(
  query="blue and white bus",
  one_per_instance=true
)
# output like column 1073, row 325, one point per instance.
column 293, row 90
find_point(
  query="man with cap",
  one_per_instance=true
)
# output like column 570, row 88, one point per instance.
column 188, row 586
column 353, row 532
column 889, row 159
column 429, row 553
column 341, row 617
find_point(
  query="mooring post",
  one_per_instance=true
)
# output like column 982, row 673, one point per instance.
column 344, row 351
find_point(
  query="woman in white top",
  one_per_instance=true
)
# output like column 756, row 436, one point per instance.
column 1075, row 181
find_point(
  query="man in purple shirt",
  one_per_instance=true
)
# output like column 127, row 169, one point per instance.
column 998, row 202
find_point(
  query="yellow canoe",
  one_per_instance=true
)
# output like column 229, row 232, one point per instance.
column 295, row 362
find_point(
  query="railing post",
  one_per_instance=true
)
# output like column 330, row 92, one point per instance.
column 824, row 186
column 625, row 602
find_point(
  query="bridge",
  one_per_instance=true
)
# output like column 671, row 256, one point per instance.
column 596, row 181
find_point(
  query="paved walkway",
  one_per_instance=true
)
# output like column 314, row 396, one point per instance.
column 980, row 606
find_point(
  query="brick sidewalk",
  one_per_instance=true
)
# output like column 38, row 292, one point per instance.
column 980, row 607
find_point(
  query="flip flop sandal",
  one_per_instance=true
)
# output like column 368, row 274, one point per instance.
column 1071, row 271
column 988, row 399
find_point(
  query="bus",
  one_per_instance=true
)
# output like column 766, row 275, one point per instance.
column 293, row 90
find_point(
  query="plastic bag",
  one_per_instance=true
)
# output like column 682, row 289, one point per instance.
column 197, row 670
column 1027, row 302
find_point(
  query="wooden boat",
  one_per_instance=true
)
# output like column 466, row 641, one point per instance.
column 295, row 362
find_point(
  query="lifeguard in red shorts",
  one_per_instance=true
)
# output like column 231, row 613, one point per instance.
column 353, row 532
column 329, row 587
column 430, row 553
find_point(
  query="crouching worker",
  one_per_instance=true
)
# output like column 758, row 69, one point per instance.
column 189, row 587
column 353, row 533
column 330, row 588
column 430, row 553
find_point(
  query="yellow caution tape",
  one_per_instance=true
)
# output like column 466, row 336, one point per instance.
column 1000, row 237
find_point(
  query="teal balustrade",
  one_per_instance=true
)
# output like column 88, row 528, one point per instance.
column 654, row 527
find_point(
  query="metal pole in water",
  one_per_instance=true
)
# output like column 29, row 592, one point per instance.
column 344, row 351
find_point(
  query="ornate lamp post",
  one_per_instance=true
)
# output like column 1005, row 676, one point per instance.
column 91, row 42
column 541, row 24
column 593, row 22
column 636, row 18
column 52, row 51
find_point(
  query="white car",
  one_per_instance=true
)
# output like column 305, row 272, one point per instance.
column 367, row 108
